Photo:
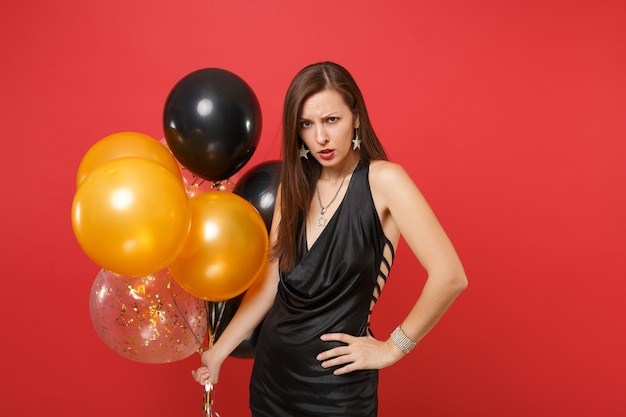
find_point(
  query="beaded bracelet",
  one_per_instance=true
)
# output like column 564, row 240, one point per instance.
column 402, row 341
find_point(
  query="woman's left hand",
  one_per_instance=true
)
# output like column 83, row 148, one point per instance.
column 358, row 353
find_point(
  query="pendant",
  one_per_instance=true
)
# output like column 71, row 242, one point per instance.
column 321, row 221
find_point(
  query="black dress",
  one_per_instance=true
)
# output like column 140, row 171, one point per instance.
column 333, row 288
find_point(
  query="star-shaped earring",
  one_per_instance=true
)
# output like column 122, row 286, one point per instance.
column 356, row 142
column 303, row 152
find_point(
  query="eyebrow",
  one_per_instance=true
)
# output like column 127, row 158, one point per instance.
column 331, row 114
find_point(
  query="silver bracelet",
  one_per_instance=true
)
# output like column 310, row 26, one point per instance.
column 402, row 341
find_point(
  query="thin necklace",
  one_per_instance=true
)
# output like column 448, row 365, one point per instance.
column 321, row 220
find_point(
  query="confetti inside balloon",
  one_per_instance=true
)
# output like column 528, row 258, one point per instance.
column 148, row 319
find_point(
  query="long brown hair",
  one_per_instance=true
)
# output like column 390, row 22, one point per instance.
column 298, row 175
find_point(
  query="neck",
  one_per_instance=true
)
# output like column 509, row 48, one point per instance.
column 334, row 174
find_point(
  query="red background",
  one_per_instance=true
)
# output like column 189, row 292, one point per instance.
column 510, row 116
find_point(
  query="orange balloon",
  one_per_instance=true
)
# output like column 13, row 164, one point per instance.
column 126, row 144
column 226, row 249
column 131, row 216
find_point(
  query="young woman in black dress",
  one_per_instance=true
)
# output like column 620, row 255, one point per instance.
column 341, row 208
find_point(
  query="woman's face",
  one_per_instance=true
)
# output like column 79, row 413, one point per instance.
column 326, row 126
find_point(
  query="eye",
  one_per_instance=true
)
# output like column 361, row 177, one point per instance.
column 332, row 119
column 305, row 123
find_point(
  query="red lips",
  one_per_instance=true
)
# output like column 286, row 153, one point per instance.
column 326, row 153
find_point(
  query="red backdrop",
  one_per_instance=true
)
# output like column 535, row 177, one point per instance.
column 510, row 116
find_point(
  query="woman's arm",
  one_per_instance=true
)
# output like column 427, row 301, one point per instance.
column 403, row 210
column 409, row 212
column 253, row 308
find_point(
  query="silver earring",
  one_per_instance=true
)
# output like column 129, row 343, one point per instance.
column 356, row 142
column 303, row 152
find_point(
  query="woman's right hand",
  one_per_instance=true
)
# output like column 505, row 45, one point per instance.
column 210, row 369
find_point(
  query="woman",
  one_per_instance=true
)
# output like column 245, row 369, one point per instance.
column 340, row 210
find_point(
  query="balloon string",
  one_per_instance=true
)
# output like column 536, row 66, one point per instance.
column 197, row 181
column 209, row 398
column 212, row 312
column 180, row 312
column 214, row 325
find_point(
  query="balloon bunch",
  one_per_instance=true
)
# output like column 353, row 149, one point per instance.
column 171, row 249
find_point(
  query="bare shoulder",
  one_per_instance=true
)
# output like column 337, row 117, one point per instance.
column 385, row 170
column 394, row 195
column 387, row 177
column 394, row 190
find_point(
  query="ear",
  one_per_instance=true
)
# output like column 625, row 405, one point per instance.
column 357, row 123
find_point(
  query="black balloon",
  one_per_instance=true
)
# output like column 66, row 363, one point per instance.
column 220, row 314
column 259, row 186
column 212, row 123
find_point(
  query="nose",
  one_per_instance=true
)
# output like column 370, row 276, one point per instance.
column 321, row 136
